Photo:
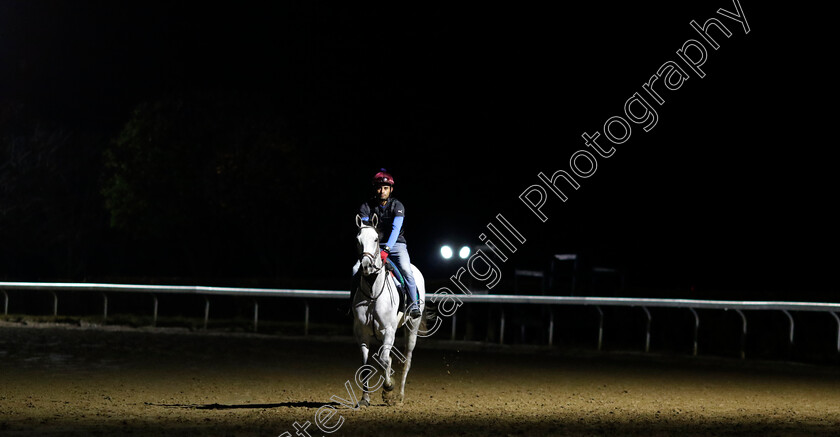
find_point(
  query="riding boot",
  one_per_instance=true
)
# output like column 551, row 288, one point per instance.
column 413, row 304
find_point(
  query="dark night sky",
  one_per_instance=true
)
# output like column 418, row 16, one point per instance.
column 731, row 190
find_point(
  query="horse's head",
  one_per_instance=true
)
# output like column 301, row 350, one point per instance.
column 367, row 244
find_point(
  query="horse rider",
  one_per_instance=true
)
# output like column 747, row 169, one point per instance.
column 392, row 245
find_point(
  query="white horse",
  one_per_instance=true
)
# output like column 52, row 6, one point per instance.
column 377, row 314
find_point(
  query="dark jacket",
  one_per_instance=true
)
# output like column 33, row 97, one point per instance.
column 388, row 221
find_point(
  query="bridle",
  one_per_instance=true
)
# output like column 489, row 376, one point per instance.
column 377, row 269
column 372, row 258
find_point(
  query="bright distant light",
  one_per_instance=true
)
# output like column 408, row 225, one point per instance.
column 464, row 253
column 446, row 252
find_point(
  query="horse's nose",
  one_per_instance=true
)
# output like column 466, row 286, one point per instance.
column 364, row 267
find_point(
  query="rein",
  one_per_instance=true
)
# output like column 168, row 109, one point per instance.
column 371, row 297
column 373, row 258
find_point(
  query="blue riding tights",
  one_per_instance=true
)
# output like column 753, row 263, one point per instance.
column 399, row 256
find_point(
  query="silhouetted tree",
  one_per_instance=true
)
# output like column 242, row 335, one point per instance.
column 217, row 178
column 49, row 202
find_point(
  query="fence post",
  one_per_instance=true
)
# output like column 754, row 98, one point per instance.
column 743, row 333
column 256, row 314
column 5, row 303
column 155, row 311
column 305, row 318
column 696, row 329
column 837, row 319
column 502, row 328
column 600, row 327
column 55, row 304
column 104, row 307
column 647, row 330
column 206, row 311
column 550, row 327
column 790, row 337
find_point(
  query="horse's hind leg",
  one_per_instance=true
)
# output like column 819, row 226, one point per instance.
column 411, row 340
column 406, row 366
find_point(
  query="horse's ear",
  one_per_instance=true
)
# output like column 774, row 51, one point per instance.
column 358, row 221
column 375, row 220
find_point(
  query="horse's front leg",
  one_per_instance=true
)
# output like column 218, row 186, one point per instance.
column 364, row 346
column 385, row 357
column 365, row 401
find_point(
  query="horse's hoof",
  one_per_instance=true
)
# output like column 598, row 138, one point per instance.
column 388, row 387
column 389, row 398
column 363, row 403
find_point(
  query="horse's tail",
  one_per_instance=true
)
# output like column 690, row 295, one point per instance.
column 430, row 312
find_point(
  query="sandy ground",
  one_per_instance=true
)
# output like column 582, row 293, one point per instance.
column 116, row 381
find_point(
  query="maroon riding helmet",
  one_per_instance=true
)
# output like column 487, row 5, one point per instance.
column 383, row 178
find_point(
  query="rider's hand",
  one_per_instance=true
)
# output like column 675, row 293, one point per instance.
column 384, row 254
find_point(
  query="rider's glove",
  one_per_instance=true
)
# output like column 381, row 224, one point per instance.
column 384, row 253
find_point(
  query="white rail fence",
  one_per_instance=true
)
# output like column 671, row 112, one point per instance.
column 597, row 302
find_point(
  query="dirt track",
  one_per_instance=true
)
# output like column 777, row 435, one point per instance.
column 110, row 381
